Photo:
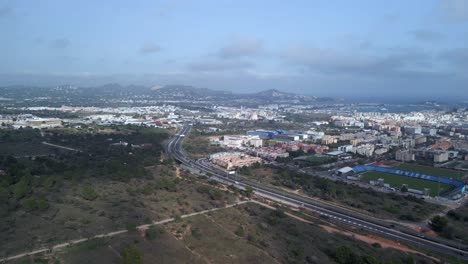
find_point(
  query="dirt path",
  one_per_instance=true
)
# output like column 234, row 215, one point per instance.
column 177, row 173
column 58, row 146
column 115, row 251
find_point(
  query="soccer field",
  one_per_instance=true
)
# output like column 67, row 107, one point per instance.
column 397, row 181
column 458, row 175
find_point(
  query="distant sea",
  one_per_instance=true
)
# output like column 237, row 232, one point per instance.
column 403, row 105
column 399, row 108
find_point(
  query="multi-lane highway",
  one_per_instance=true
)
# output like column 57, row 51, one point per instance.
column 327, row 210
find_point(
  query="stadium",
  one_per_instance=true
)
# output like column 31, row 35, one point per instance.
column 456, row 190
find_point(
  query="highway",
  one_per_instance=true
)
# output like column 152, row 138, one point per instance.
column 327, row 210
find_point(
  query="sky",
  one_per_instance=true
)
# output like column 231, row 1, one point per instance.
column 362, row 48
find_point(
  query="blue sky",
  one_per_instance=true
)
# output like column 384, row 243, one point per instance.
column 327, row 48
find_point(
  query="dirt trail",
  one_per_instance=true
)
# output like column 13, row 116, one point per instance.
column 177, row 173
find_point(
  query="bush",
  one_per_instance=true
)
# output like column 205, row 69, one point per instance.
column 213, row 193
column 32, row 204
column 177, row 218
column 21, row 188
column 132, row 255
column 153, row 232
column 248, row 191
column 131, row 227
column 167, row 184
column 251, row 238
column 216, row 195
column 344, row 255
column 49, row 182
column 438, row 223
column 88, row 193
column 240, row 231
column 196, row 233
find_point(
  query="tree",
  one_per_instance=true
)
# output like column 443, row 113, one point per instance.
column 367, row 259
column 438, row 223
column 21, row 188
column 409, row 260
column 152, row 232
column 177, row 218
column 345, row 255
column 404, row 188
column 216, row 195
column 132, row 255
column 311, row 152
column 248, row 191
column 31, row 204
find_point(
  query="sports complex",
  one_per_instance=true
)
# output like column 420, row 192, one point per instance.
column 418, row 179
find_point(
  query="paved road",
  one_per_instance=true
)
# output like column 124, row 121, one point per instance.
column 329, row 211
column 111, row 234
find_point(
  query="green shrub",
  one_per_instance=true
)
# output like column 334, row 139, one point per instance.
column 154, row 232
column 88, row 193
column 131, row 227
column 21, row 188
column 132, row 255
column 32, row 204
column 240, row 231
column 196, row 233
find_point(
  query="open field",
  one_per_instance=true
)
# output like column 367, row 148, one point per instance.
column 431, row 171
column 73, row 213
column 106, row 187
column 247, row 233
column 317, row 159
column 397, row 181
column 69, row 216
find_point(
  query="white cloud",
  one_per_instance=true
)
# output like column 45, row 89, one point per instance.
column 455, row 10
column 242, row 48
column 150, row 47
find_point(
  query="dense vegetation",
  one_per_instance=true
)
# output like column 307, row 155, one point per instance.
column 198, row 146
column 254, row 234
column 454, row 225
column 25, row 182
column 407, row 208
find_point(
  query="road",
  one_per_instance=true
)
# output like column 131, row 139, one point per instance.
column 327, row 210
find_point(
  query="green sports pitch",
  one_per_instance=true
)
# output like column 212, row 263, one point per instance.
column 397, row 181
column 457, row 175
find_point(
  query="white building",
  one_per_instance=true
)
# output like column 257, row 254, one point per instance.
column 346, row 148
column 256, row 142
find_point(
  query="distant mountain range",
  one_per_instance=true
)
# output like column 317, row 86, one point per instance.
column 168, row 92
column 271, row 95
